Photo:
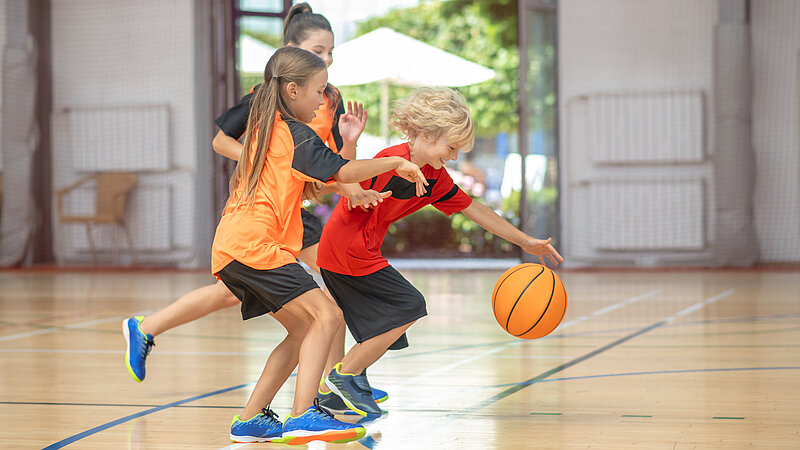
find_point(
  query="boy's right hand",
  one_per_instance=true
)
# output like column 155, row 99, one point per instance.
column 410, row 171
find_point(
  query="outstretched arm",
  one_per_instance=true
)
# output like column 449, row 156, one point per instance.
column 490, row 221
column 227, row 146
column 363, row 169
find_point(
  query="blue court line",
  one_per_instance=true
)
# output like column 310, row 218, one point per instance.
column 113, row 423
column 628, row 374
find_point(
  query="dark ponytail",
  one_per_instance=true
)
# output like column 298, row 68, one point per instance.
column 300, row 21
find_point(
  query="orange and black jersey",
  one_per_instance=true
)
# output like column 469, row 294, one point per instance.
column 233, row 122
column 269, row 234
column 351, row 240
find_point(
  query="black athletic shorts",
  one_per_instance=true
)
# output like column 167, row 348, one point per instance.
column 376, row 303
column 312, row 228
column 264, row 291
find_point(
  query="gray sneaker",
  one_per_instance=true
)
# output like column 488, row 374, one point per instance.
column 354, row 392
column 333, row 403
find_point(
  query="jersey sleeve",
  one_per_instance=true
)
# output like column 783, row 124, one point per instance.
column 233, row 122
column 449, row 198
column 312, row 160
column 335, row 141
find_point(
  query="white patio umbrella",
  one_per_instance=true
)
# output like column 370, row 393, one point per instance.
column 389, row 57
column 253, row 54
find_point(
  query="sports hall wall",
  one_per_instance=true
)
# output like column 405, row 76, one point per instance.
column 639, row 139
column 130, row 93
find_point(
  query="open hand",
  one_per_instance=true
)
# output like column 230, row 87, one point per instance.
column 542, row 248
column 367, row 199
column 352, row 122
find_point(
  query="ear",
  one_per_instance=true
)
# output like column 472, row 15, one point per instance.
column 292, row 90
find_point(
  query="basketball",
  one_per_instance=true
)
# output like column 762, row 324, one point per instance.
column 529, row 301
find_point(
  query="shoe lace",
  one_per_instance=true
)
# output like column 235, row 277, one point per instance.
column 148, row 346
column 321, row 409
column 271, row 415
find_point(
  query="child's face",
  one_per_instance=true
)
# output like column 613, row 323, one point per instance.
column 435, row 153
column 320, row 43
column 308, row 98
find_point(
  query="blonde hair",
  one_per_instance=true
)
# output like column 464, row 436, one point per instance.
column 287, row 64
column 435, row 112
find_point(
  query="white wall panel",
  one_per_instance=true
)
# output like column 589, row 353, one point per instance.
column 112, row 138
column 647, row 127
column 647, row 215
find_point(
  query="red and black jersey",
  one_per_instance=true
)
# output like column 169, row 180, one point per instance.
column 351, row 240
column 233, row 122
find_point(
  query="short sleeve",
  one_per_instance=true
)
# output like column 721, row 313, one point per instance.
column 449, row 198
column 312, row 160
column 233, row 122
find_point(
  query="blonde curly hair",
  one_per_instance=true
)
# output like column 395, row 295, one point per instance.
column 435, row 112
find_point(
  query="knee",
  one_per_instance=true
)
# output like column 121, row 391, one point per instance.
column 330, row 316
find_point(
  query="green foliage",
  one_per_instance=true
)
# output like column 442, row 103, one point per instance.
column 247, row 80
column 428, row 232
column 467, row 32
column 274, row 40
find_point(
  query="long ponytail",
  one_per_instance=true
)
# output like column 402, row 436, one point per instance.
column 287, row 64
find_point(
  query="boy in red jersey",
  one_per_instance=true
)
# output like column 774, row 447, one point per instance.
column 377, row 302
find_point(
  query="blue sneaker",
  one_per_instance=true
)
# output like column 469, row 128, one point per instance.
column 353, row 390
column 317, row 424
column 139, row 345
column 378, row 395
column 263, row 427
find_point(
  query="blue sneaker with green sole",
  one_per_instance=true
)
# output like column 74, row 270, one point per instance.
column 317, row 424
column 138, row 346
column 263, row 427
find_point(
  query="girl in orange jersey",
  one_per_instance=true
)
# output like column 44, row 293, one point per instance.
column 260, row 235
column 340, row 130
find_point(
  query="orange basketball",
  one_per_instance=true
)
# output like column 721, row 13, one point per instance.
column 529, row 301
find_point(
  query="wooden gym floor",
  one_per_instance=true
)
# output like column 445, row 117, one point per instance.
column 689, row 359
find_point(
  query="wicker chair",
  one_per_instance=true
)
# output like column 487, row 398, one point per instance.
column 113, row 189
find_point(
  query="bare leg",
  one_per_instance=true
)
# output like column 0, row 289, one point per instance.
column 280, row 364
column 364, row 354
column 192, row 306
column 324, row 318
column 309, row 256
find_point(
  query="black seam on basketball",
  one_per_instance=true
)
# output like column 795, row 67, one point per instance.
column 545, row 308
column 494, row 297
column 508, row 319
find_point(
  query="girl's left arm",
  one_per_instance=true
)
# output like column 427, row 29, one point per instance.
column 490, row 221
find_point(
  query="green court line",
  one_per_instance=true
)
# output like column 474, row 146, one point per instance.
column 732, row 418
column 545, row 414
column 634, row 415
